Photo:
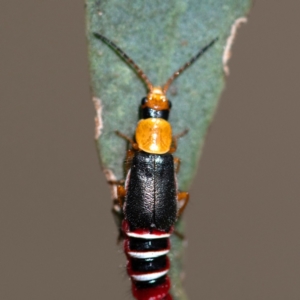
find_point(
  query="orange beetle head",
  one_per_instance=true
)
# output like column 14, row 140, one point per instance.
column 156, row 99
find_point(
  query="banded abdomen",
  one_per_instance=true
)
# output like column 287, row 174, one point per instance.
column 150, row 211
column 148, row 263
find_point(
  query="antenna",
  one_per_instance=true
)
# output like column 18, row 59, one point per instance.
column 186, row 65
column 126, row 58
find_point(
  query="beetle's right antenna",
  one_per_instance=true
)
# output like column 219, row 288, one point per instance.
column 126, row 58
column 186, row 65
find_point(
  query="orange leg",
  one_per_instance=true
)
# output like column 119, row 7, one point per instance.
column 183, row 199
column 128, row 160
column 175, row 139
column 134, row 145
column 117, row 210
column 119, row 182
column 121, row 194
column 177, row 164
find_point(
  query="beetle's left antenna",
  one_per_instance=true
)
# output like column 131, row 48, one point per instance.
column 126, row 58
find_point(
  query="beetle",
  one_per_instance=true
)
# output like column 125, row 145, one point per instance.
column 149, row 200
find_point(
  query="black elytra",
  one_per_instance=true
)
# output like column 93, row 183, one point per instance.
column 151, row 201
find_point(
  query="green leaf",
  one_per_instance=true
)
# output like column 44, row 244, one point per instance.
column 160, row 36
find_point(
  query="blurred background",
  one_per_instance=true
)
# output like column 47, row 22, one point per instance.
column 58, row 238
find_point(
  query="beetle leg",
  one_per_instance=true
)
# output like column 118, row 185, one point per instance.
column 128, row 160
column 121, row 194
column 117, row 210
column 118, row 217
column 134, row 145
column 183, row 199
column 118, row 182
column 179, row 235
column 177, row 162
column 175, row 139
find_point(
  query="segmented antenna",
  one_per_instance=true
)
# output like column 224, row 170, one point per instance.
column 127, row 59
column 186, row 65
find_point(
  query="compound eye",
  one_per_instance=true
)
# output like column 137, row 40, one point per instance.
column 170, row 104
column 144, row 100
